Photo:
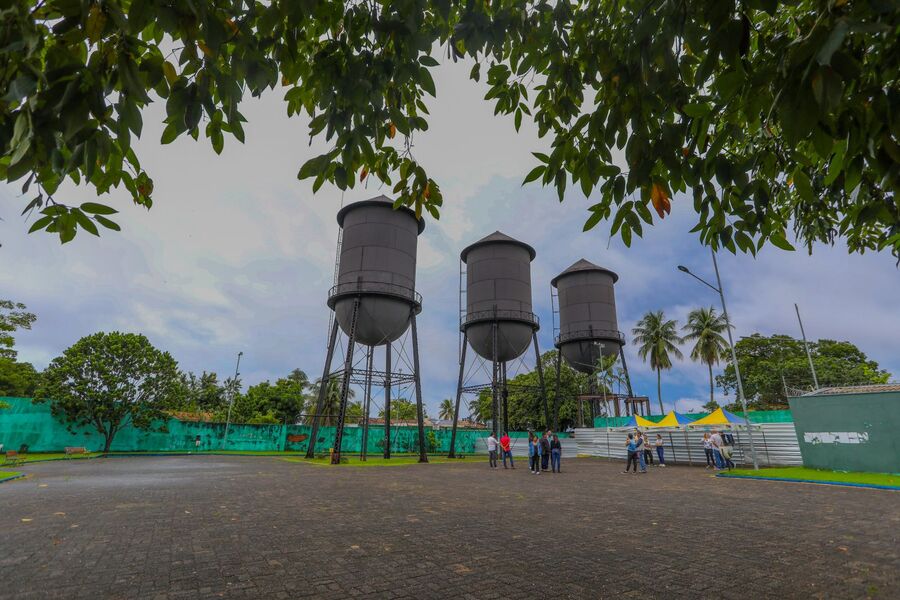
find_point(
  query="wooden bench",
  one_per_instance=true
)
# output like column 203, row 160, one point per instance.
column 73, row 450
column 13, row 459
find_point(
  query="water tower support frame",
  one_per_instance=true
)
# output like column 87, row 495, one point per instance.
column 363, row 451
column 459, row 386
column 367, row 377
column 323, row 388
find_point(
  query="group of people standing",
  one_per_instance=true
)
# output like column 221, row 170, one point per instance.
column 640, row 452
column 544, row 451
column 718, row 448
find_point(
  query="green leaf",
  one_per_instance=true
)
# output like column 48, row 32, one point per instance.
column 85, row 223
column 107, row 223
column 834, row 41
column 534, row 174
column 40, row 223
column 696, row 110
column 97, row 209
column 592, row 221
column 780, row 241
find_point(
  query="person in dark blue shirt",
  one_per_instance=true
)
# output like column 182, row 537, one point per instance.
column 631, row 448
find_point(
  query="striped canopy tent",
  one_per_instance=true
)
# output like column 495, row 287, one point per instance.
column 636, row 422
column 719, row 418
column 673, row 420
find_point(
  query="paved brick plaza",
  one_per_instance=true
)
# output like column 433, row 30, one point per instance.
column 240, row 527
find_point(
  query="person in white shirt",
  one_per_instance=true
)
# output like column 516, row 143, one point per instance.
column 707, row 449
column 716, row 440
column 492, row 444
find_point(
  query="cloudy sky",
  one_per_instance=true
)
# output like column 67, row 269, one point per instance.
column 238, row 255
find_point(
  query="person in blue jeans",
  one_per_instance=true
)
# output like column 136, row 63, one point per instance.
column 534, row 453
column 630, row 446
column 639, row 448
column 555, row 453
column 660, row 451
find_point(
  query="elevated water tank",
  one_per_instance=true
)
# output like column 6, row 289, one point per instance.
column 498, row 290
column 378, row 265
column 587, row 315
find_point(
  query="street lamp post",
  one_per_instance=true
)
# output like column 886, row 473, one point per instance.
column 231, row 398
column 737, row 370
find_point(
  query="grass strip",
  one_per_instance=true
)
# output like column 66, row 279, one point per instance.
column 806, row 475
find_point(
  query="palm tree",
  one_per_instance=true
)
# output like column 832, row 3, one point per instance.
column 706, row 327
column 656, row 338
column 332, row 404
column 446, row 411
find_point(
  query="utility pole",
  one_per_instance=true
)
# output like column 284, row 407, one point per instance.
column 231, row 398
column 806, row 346
column 737, row 370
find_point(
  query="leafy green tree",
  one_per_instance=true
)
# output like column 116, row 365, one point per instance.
column 769, row 364
column 13, row 316
column 108, row 381
column 446, row 410
column 403, row 410
column 525, row 407
column 656, row 338
column 769, row 113
column 284, row 401
column 705, row 328
column 711, row 406
column 17, row 378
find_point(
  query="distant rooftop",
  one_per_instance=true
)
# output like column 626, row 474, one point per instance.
column 856, row 389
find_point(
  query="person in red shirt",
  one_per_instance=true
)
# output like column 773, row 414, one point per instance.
column 506, row 450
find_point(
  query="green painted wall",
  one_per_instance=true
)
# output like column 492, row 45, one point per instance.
column 756, row 416
column 33, row 424
column 849, row 432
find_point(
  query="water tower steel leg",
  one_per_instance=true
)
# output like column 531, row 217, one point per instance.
column 387, row 400
column 370, row 351
column 504, row 392
column 420, row 415
column 627, row 376
column 323, row 388
column 540, row 370
column 345, row 386
column 495, row 401
column 462, row 366
column 556, row 400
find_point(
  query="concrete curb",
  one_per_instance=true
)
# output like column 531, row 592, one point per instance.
column 19, row 476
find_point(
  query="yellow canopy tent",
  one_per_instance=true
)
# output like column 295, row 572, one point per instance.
column 719, row 417
column 636, row 421
column 673, row 420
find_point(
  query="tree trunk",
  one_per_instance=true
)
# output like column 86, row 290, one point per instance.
column 662, row 411
column 108, row 443
column 711, row 399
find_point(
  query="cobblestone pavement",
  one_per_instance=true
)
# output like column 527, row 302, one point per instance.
column 248, row 527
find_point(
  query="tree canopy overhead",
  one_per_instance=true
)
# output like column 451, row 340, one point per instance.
column 772, row 366
column 770, row 114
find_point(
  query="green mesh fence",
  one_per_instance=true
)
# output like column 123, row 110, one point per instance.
column 756, row 416
column 34, row 425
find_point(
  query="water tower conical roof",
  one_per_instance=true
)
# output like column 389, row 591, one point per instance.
column 494, row 238
column 581, row 266
column 376, row 201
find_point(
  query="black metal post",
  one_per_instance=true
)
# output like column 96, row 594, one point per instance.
column 323, row 389
column 495, row 401
column 556, row 400
column 370, row 351
column 540, row 370
column 420, row 415
column 387, row 400
column 462, row 366
column 345, row 386
column 504, row 394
